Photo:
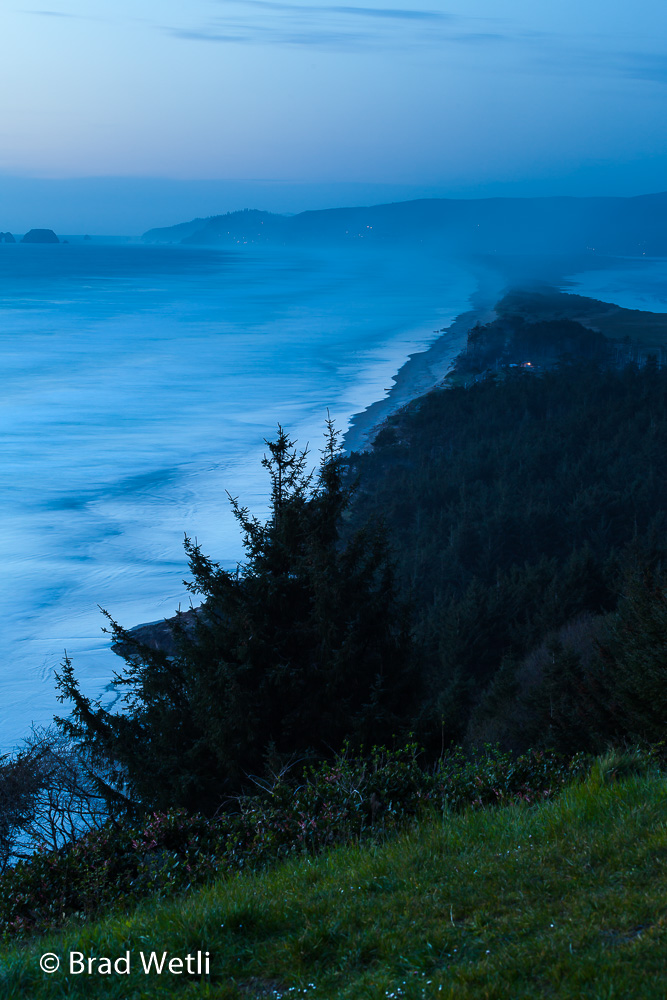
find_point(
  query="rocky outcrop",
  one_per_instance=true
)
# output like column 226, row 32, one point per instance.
column 157, row 635
column 40, row 236
column 7, row 238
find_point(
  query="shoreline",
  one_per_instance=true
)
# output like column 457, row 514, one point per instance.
column 423, row 371
column 552, row 283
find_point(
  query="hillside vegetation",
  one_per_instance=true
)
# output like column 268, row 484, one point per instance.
column 525, row 512
column 564, row 899
column 540, row 304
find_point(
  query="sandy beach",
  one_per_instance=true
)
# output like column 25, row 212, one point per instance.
column 422, row 372
column 531, row 280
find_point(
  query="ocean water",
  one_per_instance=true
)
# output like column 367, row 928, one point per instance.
column 139, row 384
column 632, row 282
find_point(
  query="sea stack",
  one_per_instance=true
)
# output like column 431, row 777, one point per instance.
column 7, row 238
column 40, row 236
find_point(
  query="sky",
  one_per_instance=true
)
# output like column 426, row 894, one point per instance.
column 117, row 115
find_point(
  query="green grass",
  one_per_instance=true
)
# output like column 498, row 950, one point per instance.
column 566, row 899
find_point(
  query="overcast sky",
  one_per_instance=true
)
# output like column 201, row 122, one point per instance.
column 323, row 103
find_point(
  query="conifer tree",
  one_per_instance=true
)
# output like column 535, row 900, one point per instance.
column 306, row 645
column 633, row 660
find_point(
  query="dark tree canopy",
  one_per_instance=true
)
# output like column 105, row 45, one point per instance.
column 306, row 645
column 515, row 507
column 633, row 659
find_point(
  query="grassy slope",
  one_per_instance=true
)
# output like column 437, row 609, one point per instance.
column 566, row 899
column 646, row 329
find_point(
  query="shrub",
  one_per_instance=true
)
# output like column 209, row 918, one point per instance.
column 352, row 798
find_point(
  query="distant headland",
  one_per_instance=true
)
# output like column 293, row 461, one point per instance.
column 634, row 227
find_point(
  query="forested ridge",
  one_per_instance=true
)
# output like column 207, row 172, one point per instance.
column 523, row 504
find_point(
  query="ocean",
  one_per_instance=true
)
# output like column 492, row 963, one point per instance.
column 632, row 282
column 139, row 384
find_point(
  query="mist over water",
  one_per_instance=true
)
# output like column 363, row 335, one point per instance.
column 139, row 383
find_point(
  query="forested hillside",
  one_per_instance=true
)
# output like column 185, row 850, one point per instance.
column 519, row 510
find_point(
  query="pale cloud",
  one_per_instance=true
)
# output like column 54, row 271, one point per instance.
column 557, row 55
column 331, row 25
column 48, row 13
column 206, row 36
column 373, row 12
column 645, row 66
column 388, row 12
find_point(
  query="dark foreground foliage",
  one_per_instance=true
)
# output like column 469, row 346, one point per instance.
column 351, row 799
column 307, row 645
column 561, row 900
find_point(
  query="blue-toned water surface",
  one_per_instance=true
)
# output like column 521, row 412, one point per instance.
column 138, row 385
